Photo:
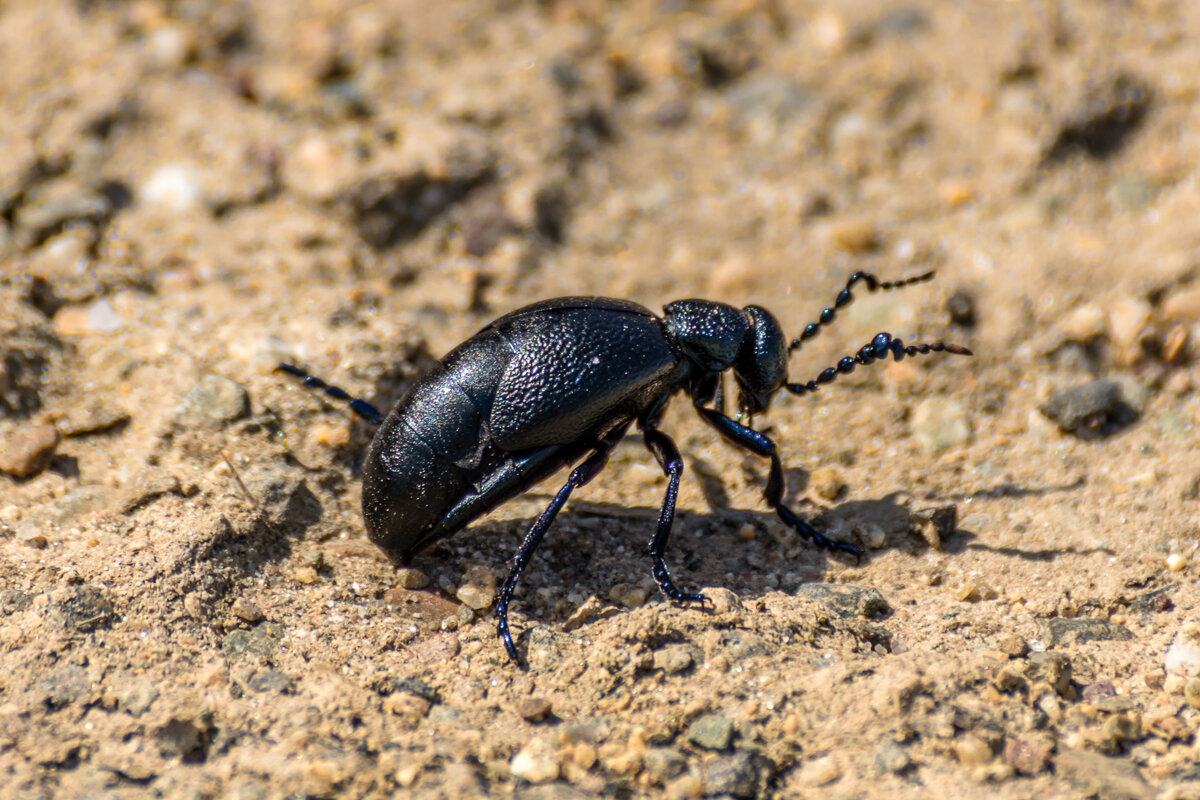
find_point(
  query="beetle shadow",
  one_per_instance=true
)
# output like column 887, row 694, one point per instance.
column 594, row 546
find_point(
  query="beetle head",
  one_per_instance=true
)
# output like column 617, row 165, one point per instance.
column 761, row 365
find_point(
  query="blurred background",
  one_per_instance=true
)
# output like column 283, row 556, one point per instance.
column 193, row 191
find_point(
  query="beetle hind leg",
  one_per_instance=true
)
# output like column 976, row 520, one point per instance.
column 589, row 469
column 672, row 463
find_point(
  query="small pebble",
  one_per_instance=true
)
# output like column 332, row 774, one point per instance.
column 628, row 595
column 535, row 763
column 970, row 750
column 29, row 450
column 31, row 536
column 820, row 772
column 305, row 575
column 1191, row 692
column 95, row 417
column 663, row 763
column 1127, row 319
column 1030, row 753
column 891, row 757
column 409, row 578
column 1083, row 324
column 1176, row 562
column 711, row 732
column 940, row 424
column 476, row 597
column 534, row 709
column 247, row 610
column 827, row 482
column 872, row 535
column 1183, row 306
column 174, row 188
column 212, row 401
column 1183, row 656
column 409, row 707
column 1082, row 630
column 148, row 485
column 855, row 237
column 673, row 659
column 1174, row 351
column 935, row 525
column 1012, row 645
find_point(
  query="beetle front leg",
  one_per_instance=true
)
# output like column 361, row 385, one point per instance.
column 579, row 476
column 672, row 463
column 761, row 445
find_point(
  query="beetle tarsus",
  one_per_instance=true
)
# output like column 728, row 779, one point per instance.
column 761, row 445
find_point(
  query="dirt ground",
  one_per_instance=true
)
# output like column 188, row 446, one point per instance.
column 192, row 192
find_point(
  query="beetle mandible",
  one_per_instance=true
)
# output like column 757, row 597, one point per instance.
column 560, row 382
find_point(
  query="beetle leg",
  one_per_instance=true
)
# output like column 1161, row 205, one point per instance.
column 360, row 407
column 579, row 476
column 672, row 463
column 761, row 445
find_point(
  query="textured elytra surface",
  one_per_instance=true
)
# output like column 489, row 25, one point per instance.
column 209, row 189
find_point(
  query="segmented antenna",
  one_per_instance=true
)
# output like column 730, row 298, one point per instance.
column 845, row 296
column 879, row 348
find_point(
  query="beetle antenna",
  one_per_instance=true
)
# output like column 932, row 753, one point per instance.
column 360, row 407
column 879, row 348
column 845, row 296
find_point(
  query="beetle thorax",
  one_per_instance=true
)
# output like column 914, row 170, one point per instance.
column 716, row 337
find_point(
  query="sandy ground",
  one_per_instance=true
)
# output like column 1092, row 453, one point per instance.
column 191, row 192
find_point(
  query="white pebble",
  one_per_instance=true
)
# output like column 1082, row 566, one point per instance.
column 173, row 187
column 534, row 763
column 1183, row 656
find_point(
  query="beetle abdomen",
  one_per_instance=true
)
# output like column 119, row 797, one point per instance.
column 430, row 451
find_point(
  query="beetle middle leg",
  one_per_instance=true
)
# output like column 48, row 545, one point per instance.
column 589, row 469
column 761, row 445
column 672, row 463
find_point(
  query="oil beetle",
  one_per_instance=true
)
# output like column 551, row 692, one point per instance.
column 560, row 382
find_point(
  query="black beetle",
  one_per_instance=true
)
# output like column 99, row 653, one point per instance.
column 562, row 380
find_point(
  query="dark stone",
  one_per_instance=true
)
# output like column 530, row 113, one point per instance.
column 391, row 209
column 1102, row 120
column 63, row 685
column 960, row 307
column 1081, row 630
column 271, row 680
column 86, row 609
column 1090, row 411
column 260, row 642
column 847, row 600
column 735, row 775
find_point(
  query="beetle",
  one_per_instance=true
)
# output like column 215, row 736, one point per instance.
column 560, row 382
